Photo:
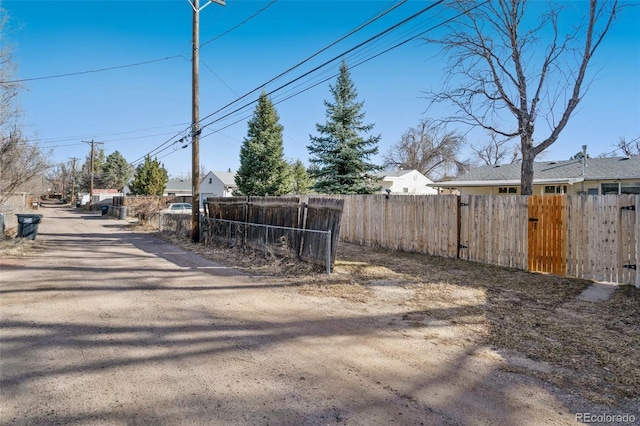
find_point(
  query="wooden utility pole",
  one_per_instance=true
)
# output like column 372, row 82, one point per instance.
column 73, row 180
column 92, row 143
column 195, row 118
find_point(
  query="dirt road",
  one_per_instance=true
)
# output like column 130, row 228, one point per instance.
column 111, row 327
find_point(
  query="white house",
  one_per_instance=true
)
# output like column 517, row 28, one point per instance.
column 405, row 182
column 217, row 184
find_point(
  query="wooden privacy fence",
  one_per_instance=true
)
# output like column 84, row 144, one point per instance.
column 282, row 215
column 582, row 236
column 418, row 223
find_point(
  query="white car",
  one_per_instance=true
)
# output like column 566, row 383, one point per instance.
column 181, row 208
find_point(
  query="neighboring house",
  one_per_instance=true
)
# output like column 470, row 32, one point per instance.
column 593, row 176
column 405, row 182
column 178, row 187
column 217, row 184
column 100, row 195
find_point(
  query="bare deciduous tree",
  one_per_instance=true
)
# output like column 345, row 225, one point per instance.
column 8, row 88
column 499, row 64
column 60, row 178
column 496, row 151
column 430, row 149
column 20, row 161
column 629, row 148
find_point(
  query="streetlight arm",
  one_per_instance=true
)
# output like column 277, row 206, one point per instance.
column 220, row 2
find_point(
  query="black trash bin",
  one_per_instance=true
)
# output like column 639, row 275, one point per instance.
column 28, row 225
column 104, row 210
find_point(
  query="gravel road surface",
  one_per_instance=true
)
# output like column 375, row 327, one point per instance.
column 111, row 327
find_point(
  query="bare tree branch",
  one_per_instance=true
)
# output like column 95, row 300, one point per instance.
column 430, row 149
column 503, row 59
column 496, row 151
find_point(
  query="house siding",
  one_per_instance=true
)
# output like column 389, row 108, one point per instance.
column 408, row 182
column 213, row 186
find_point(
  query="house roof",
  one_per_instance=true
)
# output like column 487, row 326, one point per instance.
column 227, row 178
column 183, row 185
column 394, row 173
column 569, row 171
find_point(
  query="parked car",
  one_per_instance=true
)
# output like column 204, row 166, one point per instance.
column 172, row 208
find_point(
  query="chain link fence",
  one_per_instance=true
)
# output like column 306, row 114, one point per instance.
column 280, row 241
column 178, row 224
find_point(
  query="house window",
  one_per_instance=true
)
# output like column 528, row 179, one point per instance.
column 210, row 180
column 610, row 188
column 405, row 190
column 555, row 189
column 507, row 190
column 630, row 188
column 592, row 191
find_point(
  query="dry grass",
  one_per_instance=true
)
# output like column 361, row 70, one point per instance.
column 19, row 247
column 592, row 347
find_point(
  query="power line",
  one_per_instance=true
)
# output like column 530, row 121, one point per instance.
column 299, row 64
column 238, row 25
column 91, row 71
column 330, row 77
column 335, row 58
column 162, row 147
column 401, row 43
column 71, row 74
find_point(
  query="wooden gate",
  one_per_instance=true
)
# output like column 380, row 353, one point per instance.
column 547, row 245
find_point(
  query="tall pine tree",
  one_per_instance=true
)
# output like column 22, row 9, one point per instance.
column 301, row 181
column 115, row 171
column 263, row 169
column 150, row 179
column 340, row 155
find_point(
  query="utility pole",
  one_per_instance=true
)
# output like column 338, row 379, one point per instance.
column 73, row 180
column 195, row 118
column 92, row 143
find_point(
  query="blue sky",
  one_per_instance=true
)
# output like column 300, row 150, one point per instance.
column 246, row 43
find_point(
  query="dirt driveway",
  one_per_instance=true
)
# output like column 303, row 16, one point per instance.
column 111, row 327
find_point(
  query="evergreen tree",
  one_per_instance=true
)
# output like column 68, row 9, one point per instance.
column 150, row 179
column 84, row 176
column 302, row 183
column 263, row 169
column 340, row 155
column 116, row 171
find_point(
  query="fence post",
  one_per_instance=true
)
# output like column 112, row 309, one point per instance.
column 328, row 253
column 266, row 241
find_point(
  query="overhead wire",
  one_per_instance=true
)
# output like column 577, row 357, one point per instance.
column 239, row 111
column 379, row 15
column 135, row 64
column 322, row 65
column 239, row 24
column 91, row 71
column 304, row 61
column 351, row 66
